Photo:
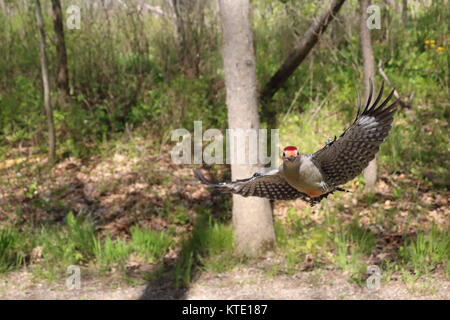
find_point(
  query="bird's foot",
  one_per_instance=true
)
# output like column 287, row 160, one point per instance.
column 342, row 190
column 329, row 142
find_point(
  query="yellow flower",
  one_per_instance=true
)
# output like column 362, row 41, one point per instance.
column 433, row 45
column 427, row 41
column 440, row 49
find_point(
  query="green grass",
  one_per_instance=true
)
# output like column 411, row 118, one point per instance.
column 210, row 247
column 111, row 253
column 71, row 244
column 150, row 245
column 10, row 253
column 426, row 251
column 348, row 247
column 301, row 242
column 76, row 242
column 353, row 245
column 306, row 244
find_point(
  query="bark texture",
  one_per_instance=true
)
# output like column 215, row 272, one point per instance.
column 62, row 79
column 252, row 217
column 46, row 84
column 370, row 173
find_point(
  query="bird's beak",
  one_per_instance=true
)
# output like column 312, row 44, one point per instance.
column 290, row 155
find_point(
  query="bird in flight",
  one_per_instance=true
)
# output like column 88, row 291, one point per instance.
column 312, row 177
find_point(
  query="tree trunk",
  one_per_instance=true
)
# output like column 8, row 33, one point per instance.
column 405, row 13
column 62, row 79
column 370, row 173
column 46, row 85
column 301, row 51
column 179, row 29
column 252, row 217
column 3, row 6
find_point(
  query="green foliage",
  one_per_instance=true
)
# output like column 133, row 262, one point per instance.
column 124, row 77
column 11, row 254
column 426, row 251
column 81, row 233
column 124, row 71
column 130, row 75
column 74, row 244
column 31, row 190
column 210, row 246
column 22, row 98
column 78, row 244
column 352, row 246
column 179, row 103
column 111, row 253
column 301, row 242
column 306, row 244
column 150, row 245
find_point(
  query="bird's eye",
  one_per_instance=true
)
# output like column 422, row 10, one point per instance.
column 284, row 154
column 298, row 153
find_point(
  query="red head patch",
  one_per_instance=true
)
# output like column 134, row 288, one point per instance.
column 290, row 151
column 290, row 148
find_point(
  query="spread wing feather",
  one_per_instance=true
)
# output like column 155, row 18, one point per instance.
column 345, row 158
column 270, row 185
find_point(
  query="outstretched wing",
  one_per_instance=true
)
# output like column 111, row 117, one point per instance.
column 343, row 159
column 270, row 185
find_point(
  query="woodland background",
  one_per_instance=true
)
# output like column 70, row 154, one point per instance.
column 111, row 201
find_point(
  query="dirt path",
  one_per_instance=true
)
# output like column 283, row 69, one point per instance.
column 244, row 283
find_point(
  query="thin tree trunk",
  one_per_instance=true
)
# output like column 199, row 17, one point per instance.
column 252, row 217
column 301, row 51
column 62, row 79
column 3, row 6
column 46, row 84
column 179, row 29
column 405, row 13
column 370, row 173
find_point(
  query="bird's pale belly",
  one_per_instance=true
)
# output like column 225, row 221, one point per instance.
column 307, row 180
column 311, row 187
column 313, row 193
column 311, row 190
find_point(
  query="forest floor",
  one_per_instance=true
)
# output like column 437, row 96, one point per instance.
column 241, row 283
column 321, row 253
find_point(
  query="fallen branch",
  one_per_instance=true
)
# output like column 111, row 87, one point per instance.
column 301, row 51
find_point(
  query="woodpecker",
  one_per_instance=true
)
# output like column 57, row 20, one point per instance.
column 313, row 177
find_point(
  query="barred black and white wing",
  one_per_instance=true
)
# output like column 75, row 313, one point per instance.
column 343, row 159
column 270, row 185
